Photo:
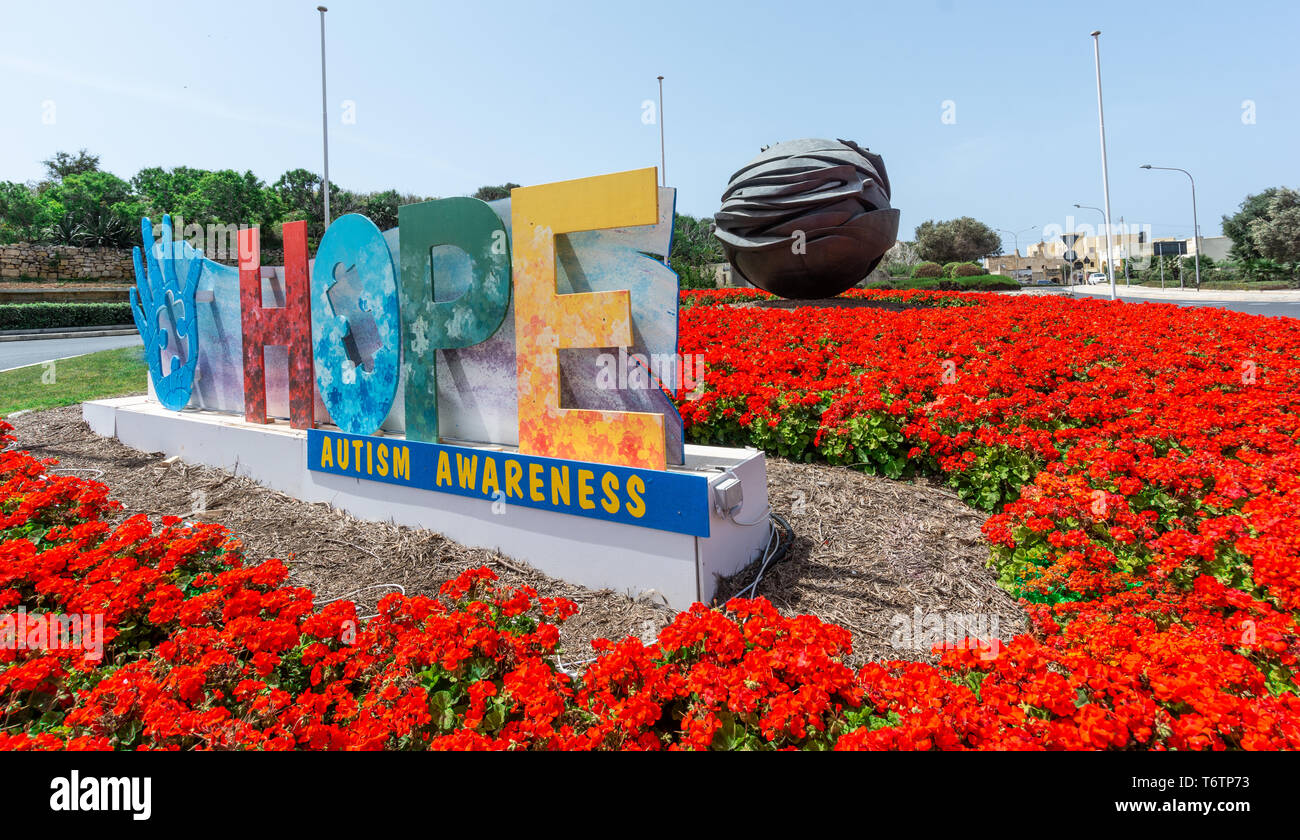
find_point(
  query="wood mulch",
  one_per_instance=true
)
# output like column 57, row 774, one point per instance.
column 867, row 550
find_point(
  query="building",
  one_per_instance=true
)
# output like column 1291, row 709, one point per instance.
column 1045, row 260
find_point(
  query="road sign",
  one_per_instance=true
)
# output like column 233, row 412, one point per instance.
column 1169, row 248
column 1070, row 238
column 1070, row 256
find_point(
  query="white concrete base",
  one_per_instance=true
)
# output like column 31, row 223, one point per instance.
column 679, row 568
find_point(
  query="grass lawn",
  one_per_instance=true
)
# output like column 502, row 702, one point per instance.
column 108, row 373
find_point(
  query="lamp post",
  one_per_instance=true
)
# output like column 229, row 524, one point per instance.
column 1105, row 175
column 663, row 161
column 324, row 115
column 1015, row 237
column 1196, row 225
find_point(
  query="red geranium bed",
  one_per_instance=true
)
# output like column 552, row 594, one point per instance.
column 1142, row 463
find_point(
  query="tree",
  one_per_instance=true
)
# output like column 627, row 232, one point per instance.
column 957, row 240
column 25, row 215
column 694, row 250
column 494, row 193
column 63, row 164
column 299, row 192
column 94, row 208
column 381, row 208
column 1276, row 233
column 163, row 189
column 900, row 258
column 1237, row 226
column 228, row 197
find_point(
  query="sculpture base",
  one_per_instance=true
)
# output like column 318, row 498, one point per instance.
column 677, row 568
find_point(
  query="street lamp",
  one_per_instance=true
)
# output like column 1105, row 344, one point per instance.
column 1105, row 175
column 324, row 114
column 1015, row 235
column 663, row 161
column 1196, row 225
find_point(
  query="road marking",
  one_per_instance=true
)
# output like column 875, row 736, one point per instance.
column 65, row 358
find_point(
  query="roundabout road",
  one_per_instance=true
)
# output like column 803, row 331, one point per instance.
column 22, row 353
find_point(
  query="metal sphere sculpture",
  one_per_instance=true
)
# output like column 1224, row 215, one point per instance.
column 807, row 218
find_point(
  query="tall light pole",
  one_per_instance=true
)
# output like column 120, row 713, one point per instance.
column 1196, row 225
column 324, row 114
column 1105, row 174
column 1015, row 235
column 663, row 161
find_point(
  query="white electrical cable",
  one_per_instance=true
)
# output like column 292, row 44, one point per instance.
column 773, row 543
column 766, row 517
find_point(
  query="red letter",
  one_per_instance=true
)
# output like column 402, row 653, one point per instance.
column 289, row 326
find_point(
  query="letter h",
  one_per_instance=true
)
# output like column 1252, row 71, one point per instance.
column 288, row 326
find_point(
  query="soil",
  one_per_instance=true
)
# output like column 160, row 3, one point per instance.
column 866, row 549
column 833, row 303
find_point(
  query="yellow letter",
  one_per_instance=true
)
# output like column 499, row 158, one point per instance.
column 383, row 459
column 560, row 485
column 635, row 505
column 489, row 475
column 546, row 322
column 326, row 453
column 610, row 485
column 444, row 468
column 535, row 482
column 466, row 467
column 402, row 462
column 584, row 489
column 514, row 472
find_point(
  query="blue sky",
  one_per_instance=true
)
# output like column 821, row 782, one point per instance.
column 449, row 96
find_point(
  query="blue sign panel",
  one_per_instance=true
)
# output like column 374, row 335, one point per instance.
column 664, row 501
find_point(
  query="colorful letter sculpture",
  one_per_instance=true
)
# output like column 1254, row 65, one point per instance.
column 808, row 218
column 429, row 325
column 355, row 324
column 547, row 322
column 475, row 323
column 286, row 326
column 165, row 313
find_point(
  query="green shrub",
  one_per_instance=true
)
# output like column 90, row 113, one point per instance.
column 948, row 269
column 695, row 276
column 47, row 315
column 988, row 283
column 968, row 269
column 927, row 269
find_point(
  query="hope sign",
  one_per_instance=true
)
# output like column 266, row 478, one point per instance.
column 367, row 320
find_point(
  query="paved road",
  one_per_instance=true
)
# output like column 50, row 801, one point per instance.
column 20, row 353
column 1276, row 308
column 1281, row 309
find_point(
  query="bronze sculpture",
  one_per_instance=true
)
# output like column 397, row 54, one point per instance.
column 807, row 218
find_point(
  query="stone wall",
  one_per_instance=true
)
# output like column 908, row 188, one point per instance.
column 65, row 262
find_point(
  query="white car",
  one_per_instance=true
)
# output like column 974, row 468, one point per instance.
column 1097, row 278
